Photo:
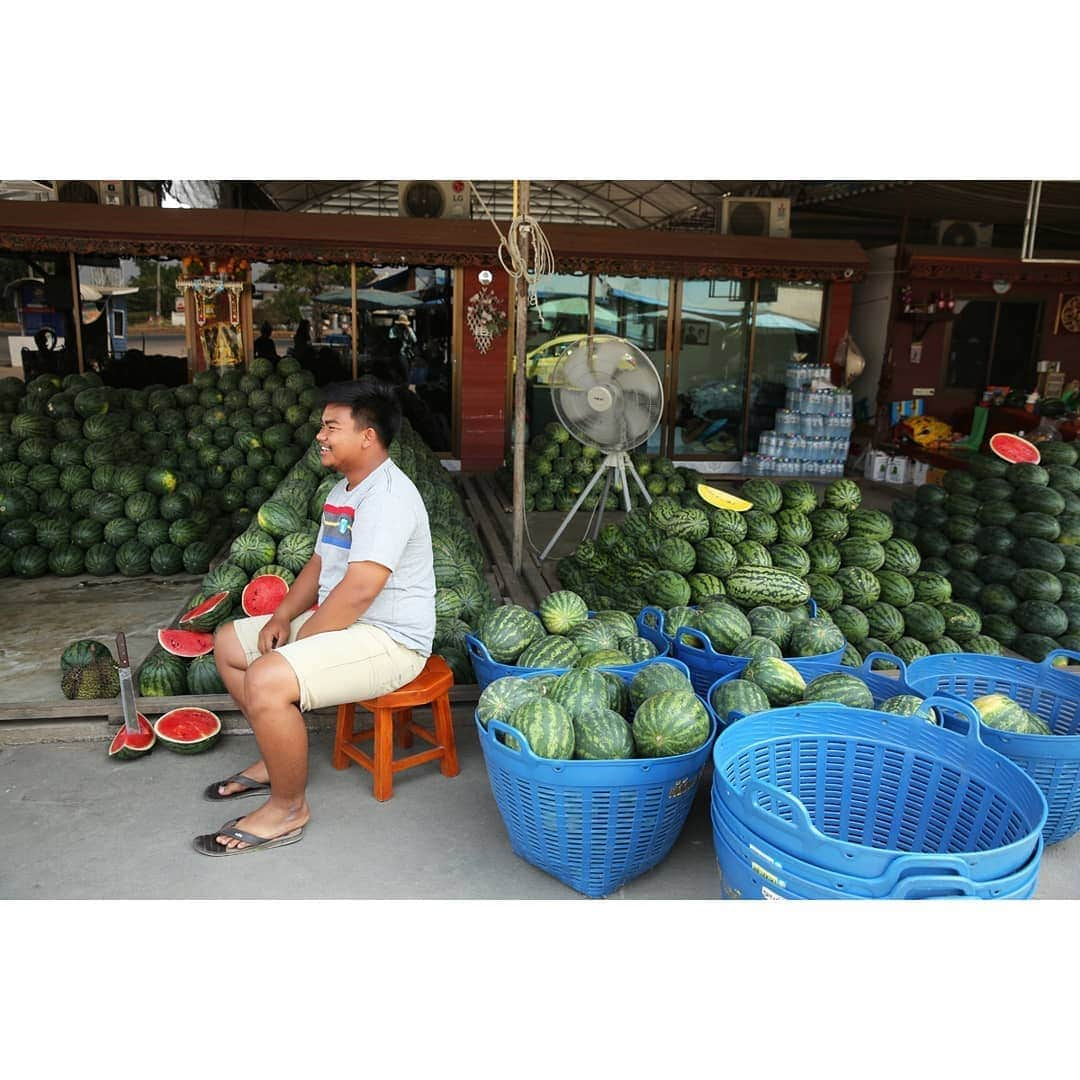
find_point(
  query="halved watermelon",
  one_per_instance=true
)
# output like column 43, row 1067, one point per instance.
column 209, row 613
column 1014, row 449
column 125, row 747
column 188, row 730
column 185, row 643
column 263, row 594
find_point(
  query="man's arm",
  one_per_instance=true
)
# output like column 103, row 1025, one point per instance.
column 348, row 600
column 303, row 592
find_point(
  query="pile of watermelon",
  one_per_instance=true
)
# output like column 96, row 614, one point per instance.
column 100, row 480
column 592, row 715
column 994, row 555
column 562, row 634
column 558, row 469
column 265, row 558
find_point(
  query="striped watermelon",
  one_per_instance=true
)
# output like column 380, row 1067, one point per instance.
column 764, row 494
column 737, row 698
column 727, row 525
column 667, row 589
column 601, row 734
column 843, row 495
column 815, row 638
column 208, row 614
column 896, row 589
column 547, row 728
column 562, row 611
column 603, row 658
column 502, row 696
column 654, row 679
column 770, row 622
column 724, row 625
column 861, row 551
column 824, row 556
column 781, row 683
column 580, row 690
column 757, row 647
column 825, row 591
column 670, row 723
column 704, row 587
column 595, row 634
column 885, row 622
column 754, row 585
column 909, row 650
column 860, row 587
column 549, row 652
column 902, row 556
column 907, row 704
column 828, row 524
column 508, row 630
column 843, row 689
column 637, row 649
column 853, row 623
column 716, row 556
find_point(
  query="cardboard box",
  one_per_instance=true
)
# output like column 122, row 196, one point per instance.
column 920, row 473
column 899, row 471
column 876, row 466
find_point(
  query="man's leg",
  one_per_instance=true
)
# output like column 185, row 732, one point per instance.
column 232, row 666
column 271, row 697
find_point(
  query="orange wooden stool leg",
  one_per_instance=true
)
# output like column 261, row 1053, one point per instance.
column 343, row 735
column 384, row 754
column 403, row 718
column 444, row 732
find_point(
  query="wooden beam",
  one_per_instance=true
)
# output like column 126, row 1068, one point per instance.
column 521, row 317
column 352, row 308
column 533, row 577
column 76, row 299
column 510, row 580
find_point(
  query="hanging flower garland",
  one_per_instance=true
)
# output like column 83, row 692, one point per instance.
column 485, row 317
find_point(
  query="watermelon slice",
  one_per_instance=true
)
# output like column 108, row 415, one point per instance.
column 209, row 613
column 185, row 643
column 188, row 730
column 126, row 747
column 263, row 594
column 1014, row 449
column 722, row 499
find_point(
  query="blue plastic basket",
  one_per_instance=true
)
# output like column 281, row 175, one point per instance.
column 593, row 825
column 650, row 624
column 909, row 877
column 1052, row 761
column 882, row 686
column 748, row 877
column 852, row 790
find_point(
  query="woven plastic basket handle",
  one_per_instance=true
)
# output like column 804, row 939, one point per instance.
column 932, row 887
column 955, row 705
column 755, row 791
column 704, row 646
column 867, row 665
column 1048, row 660
column 651, row 618
column 478, row 648
column 525, row 750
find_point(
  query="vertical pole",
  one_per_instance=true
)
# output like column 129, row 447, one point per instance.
column 352, row 303
column 76, row 299
column 521, row 208
column 157, row 263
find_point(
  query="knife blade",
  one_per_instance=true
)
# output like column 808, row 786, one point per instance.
column 127, row 687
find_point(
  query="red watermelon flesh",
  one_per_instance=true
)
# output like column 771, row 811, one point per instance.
column 1014, row 449
column 126, row 747
column 263, row 594
column 188, row 730
column 208, row 614
column 185, row 643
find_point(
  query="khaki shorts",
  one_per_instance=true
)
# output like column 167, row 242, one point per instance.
column 337, row 666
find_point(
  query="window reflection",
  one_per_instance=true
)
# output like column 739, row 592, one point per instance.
column 712, row 357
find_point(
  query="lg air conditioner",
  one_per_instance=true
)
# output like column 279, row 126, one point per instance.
column 433, row 199
column 755, row 217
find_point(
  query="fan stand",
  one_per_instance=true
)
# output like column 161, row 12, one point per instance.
column 619, row 464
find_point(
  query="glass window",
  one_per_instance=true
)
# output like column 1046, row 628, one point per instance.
column 969, row 350
column 712, row 358
column 993, row 342
column 636, row 309
column 563, row 313
column 787, row 328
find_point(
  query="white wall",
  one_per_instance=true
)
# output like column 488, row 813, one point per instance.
column 872, row 298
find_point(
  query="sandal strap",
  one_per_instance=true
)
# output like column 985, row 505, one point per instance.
column 246, row 782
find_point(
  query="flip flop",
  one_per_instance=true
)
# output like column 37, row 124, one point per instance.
column 208, row 844
column 250, row 787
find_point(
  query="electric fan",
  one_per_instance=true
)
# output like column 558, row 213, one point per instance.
column 608, row 395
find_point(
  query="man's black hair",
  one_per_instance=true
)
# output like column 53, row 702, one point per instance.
column 372, row 403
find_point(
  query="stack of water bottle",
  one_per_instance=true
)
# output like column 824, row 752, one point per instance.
column 812, row 434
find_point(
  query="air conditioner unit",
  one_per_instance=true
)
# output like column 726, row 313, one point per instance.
column 434, row 199
column 101, row 192
column 963, row 233
column 755, row 217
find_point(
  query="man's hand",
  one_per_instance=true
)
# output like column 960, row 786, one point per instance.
column 274, row 633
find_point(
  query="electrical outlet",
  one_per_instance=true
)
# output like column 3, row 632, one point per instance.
column 923, row 391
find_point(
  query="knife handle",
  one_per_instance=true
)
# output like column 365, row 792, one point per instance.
column 121, row 650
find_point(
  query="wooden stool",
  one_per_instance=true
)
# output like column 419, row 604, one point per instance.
column 393, row 717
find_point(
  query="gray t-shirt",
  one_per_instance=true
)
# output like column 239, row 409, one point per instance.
column 383, row 520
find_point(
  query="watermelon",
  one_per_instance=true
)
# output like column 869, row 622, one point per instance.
column 704, row 587
column 1041, row 617
column 770, row 622
column 549, row 652
column 667, row 589
column 188, row 730
column 1012, row 448
column 676, row 554
column 208, row 614
column 816, row 637
column 885, row 622
column 126, row 746
column 1034, row 647
column 996, row 569
column 561, row 611
column 922, row 622
column 831, row 525
column 263, row 594
column 851, row 622
column 1036, row 585
column 907, row 704
column 1004, row 714
column 654, row 679
column 825, row 591
column 736, row 698
column 761, row 527
column 727, row 525
column 252, row 548
column 185, row 643
column 1001, row 628
column 603, row 658
column 756, row 647
column 842, row 689
column 794, row 527
column 294, row 552
column 670, row 723
column 790, row 557
column 755, row 585
column 860, row 551
column 638, row 649
column 83, row 652
column 764, row 494
column 901, row 556
column 546, row 726
column 724, row 625
column 278, row 519
column 203, row 676
column 980, row 643
column 860, row 587
column 716, row 556
column 580, row 690
column 1035, row 524
column 1035, row 498
column 502, row 696
column 843, row 495
column 824, row 556
column 781, row 683
column 962, row 622
column 1034, row 553
column 930, row 588
column 595, row 634
column 896, row 589
column 870, row 525
column 601, row 734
